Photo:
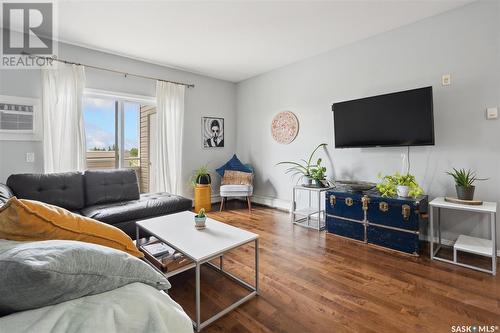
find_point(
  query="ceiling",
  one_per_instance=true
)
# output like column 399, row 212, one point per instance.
column 233, row 40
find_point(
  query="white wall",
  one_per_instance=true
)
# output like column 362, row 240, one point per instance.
column 210, row 97
column 464, row 42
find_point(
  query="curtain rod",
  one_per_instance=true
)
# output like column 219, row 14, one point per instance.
column 188, row 85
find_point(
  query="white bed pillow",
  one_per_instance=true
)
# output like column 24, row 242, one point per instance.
column 37, row 274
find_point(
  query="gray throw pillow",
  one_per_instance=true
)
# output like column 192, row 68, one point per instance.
column 37, row 274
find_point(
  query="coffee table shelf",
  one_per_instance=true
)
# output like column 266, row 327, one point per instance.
column 180, row 270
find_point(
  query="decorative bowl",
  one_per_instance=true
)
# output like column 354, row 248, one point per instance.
column 356, row 186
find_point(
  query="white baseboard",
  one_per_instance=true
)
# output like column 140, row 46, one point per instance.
column 261, row 200
column 272, row 202
column 215, row 198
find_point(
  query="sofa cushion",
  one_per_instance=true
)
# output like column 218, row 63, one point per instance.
column 148, row 205
column 236, row 190
column 233, row 164
column 106, row 186
column 26, row 220
column 236, row 178
column 61, row 189
column 5, row 194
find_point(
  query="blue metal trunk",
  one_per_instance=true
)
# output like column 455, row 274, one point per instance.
column 344, row 204
column 346, row 228
column 389, row 222
column 394, row 212
column 393, row 239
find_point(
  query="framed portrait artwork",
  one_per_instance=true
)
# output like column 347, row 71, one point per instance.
column 212, row 132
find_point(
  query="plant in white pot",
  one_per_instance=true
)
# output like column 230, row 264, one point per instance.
column 304, row 169
column 200, row 219
column 404, row 186
column 464, row 183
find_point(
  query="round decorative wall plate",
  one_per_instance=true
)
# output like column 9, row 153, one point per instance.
column 285, row 127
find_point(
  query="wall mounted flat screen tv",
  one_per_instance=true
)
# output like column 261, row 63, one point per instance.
column 398, row 119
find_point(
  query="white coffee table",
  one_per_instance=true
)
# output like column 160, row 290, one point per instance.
column 201, row 246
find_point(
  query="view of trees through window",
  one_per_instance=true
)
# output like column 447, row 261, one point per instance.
column 112, row 126
column 131, row 129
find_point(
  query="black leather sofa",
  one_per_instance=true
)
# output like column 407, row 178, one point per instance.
column 110, row 196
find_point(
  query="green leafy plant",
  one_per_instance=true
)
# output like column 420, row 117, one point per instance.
column 201, row 213
column 305, row 168
column 318, row 172
column 388, row 186
column 198, row 173
column 463, row 177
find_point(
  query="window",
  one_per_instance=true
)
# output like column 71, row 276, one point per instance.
column 117, row 131
column 100, row 133
column 132, row 115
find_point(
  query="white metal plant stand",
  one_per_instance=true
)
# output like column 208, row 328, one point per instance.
column 464, row 243
column 311, row 216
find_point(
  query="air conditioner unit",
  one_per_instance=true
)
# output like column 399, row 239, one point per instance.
column 20, row 118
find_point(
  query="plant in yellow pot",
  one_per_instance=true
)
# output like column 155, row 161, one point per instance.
column 201, row 180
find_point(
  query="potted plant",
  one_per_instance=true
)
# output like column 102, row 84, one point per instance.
column 464, row 180
column 318, row 174
column 404, row 186
column 199, row 220
column 201, row 176
column 304, row 169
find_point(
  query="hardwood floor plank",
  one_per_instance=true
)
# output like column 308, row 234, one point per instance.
column 317, row 282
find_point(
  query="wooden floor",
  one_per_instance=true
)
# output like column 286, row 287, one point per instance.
column 316, row 282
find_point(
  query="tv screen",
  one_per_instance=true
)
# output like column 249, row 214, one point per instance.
column 398, row 119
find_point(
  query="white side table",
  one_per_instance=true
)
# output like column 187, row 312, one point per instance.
column 464, row 243
column 308, row 216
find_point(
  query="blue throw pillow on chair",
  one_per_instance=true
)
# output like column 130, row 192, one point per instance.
column 233, row 164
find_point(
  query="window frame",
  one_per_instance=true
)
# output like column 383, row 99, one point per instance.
column 120, row 99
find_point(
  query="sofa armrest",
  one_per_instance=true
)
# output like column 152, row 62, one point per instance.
column 5, row 193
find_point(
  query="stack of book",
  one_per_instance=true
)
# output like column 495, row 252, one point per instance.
column 162, row 256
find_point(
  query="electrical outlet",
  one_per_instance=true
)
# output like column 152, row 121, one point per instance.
column 446, row 79
column 30, row 157
column 491, row 113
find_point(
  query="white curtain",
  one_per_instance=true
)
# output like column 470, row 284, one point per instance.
column 169, row 131
column 63, row 128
